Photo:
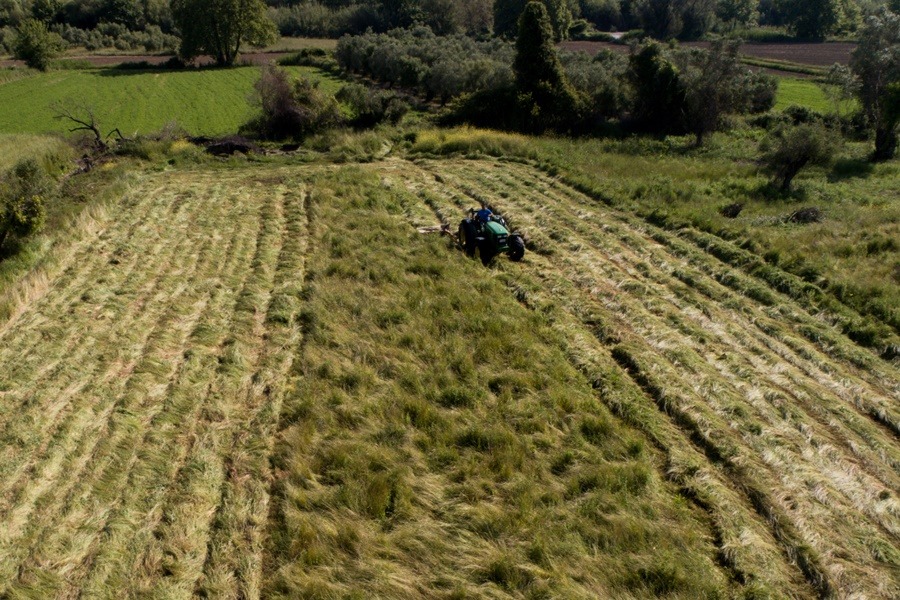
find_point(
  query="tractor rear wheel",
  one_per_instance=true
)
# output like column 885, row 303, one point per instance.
column 467, row 237
column 516, row 247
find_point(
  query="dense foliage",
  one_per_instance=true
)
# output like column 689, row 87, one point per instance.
column 221, row 27
column 792, row 148
column 439, row 67
column 23, row 193
column 290, row 109
column 35, row 44
column 876, row 67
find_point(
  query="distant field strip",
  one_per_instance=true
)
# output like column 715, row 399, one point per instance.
column 783, row 430
column 140, row 392
column 207, row 102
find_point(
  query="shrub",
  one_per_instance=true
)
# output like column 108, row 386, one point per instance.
column 792, row 148
column 36, row 45
column 371, row 107
column 290, row 109
column 22, row 197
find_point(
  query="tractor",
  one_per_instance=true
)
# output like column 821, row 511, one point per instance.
column 484, row 234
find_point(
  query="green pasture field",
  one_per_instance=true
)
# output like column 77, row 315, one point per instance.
column 203, row 102
column 802, row 92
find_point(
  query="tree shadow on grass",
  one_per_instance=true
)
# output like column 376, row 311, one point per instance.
column 850, row 168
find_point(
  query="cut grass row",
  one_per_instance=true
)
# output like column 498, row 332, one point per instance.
column 621, row 415
column 129, row 439
column 796, row 432
column 850, row 254
column 439, row 444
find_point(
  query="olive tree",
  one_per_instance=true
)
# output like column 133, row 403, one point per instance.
column 790, row 149
column 876, row 66
column 715, row 84
column 36, row 45
column 221, row 27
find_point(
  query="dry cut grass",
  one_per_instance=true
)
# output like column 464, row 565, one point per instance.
column 140, row 389
column 263, row 382
column 783, row 430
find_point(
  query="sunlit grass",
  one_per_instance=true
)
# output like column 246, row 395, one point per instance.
column 203, row 102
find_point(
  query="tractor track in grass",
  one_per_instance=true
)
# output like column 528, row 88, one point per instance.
column 787, row 422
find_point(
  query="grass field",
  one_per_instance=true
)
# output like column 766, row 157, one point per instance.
column 851, row 253
column 204, row 102
column 14, row 148
column 243, row 382
column 802, row 92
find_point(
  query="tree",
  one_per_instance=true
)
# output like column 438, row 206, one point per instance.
column 547, row 97
column 716, row 84
column 666, row 19
column 657, row 94
column 220, row 27
column 876, row 66
column 399, row 13
column 736, row 13
column 812, row 19
column 508, row 12
column 36, row 45
column 45, row 10
column 22, row 197
column 793, row 148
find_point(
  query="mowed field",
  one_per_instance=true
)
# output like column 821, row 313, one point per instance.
column 263, row 381
column 203, row 102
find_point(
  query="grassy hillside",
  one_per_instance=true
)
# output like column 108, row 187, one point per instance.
column 205, row 102
column 851, row 253
column 262, row 381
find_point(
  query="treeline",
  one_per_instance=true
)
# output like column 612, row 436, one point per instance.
column 94, row 24
column 657, row 89
column 661, row 19
column 149, row 24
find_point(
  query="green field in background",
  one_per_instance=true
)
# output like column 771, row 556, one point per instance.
column 204, row 102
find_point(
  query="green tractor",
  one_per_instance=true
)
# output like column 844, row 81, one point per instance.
column 484, row 234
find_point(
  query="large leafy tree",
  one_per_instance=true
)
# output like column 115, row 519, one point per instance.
column 812, row 19
column 36, row 45
column 508, row 12
column 220, row 27
column 876, row 66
